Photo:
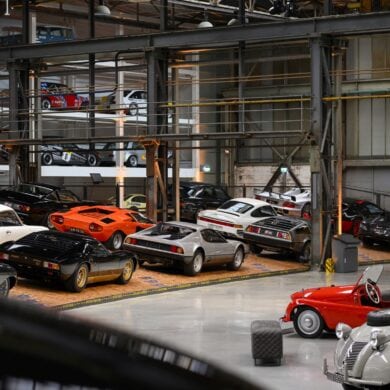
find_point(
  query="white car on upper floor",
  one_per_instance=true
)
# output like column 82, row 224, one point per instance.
column 232, row 218
column 11, row 226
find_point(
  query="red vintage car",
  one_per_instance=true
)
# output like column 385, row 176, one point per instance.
column 56, row 95
column 108, row 224
column 314, row 310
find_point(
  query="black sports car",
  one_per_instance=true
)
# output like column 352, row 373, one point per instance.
column 7, row 279
column 70, row 154
column 35, row 202
column 376, row 230
column 73, row 259
column 279, row 234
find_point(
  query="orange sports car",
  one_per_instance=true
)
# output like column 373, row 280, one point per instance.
column 108, row 224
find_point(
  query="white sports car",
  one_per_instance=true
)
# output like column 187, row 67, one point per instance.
column 295, row 202
column 233, row 217
column 11, row 226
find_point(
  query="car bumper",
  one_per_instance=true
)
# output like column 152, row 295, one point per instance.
column 344, row 378
column 273, row 243
column 156, row 256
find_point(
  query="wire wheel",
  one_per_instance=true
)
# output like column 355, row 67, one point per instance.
column 4, row 288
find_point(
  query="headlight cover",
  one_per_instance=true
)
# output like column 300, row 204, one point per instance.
column 343, row 331
column 377, row 339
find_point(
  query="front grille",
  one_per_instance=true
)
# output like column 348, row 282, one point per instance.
column 353, row 353
column 153, row 245
column 279, row 223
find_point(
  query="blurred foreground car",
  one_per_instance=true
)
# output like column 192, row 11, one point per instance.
column 72, row 259
column 7, row 279
column 295, row 202
column 185, row 244
column 108, row 224
column 34, row 202
column 64, row 352
column 362, row 356
column 280, row 234
column 232, row 218
column 375, row 230
column 314, row 310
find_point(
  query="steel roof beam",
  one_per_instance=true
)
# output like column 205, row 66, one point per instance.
column 213, row 37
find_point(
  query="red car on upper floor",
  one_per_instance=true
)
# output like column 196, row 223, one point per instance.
column 314, row 310
column 56, row 95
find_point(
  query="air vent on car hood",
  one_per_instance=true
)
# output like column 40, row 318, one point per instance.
column 107, row 220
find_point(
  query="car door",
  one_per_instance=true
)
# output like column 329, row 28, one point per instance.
column 215, row 246
column 103, row 262
column 11, row 227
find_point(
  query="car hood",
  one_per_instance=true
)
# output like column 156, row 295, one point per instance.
column 332, row 293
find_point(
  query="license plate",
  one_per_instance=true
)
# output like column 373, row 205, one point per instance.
column 268, row 232
column 212, row 226
column 76, row 230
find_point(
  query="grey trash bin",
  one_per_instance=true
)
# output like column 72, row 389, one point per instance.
column 345, row 252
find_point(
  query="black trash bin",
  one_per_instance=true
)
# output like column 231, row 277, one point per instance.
column 345, row 253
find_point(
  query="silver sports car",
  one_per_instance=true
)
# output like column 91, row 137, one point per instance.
column 185, row 244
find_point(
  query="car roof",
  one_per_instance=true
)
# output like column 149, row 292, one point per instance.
column 5, row 208
column 185, row 224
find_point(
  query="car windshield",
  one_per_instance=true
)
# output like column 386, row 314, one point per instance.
column 236, row 207
column 141, row 218
column 174, row 231
column 373, row 209
column 372, row 273
column 32, row 189
column 9, row 218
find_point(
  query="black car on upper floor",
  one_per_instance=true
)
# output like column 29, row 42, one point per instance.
column 35, row 202
column 196, row 196
column 72, row 259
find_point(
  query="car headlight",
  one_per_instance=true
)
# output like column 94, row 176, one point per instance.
column 343, row 331
column 377, row 339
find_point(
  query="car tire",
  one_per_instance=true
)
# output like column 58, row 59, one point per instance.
column 355, row 227
column 127, row 273
column 367, row 241
column 306, row 211
column 238, row 259
column 116, row 240
column 349, row 387
column 133, row 109
column 78, row 281
column 47, row 159
column 305, row 255
column 195, row 265
column 255, row 249
column 45, row 104
column 308, row 323
column 92, row 160
column 4, row 288
column 378, row 318
column 132, row 161
column 46, row 221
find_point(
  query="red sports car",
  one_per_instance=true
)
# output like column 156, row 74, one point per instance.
column 317, row 309
column 108, row 224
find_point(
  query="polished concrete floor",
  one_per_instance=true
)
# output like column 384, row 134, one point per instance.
column 214, row 323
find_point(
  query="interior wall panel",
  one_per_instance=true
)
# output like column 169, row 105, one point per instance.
column 364, row 132
column 378, row 127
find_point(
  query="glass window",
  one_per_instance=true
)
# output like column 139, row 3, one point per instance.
column 210, row 235
column 264, row 211
column 9, row 218
column 236, row 207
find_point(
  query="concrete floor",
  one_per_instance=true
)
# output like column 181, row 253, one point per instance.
column 214, row 323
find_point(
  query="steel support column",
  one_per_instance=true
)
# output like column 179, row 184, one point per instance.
column 320, row 162
column 157, row 115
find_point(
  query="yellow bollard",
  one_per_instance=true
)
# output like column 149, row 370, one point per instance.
column 329, row 265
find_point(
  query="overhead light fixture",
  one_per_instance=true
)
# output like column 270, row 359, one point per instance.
column 205, row 22
column 102, row 10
